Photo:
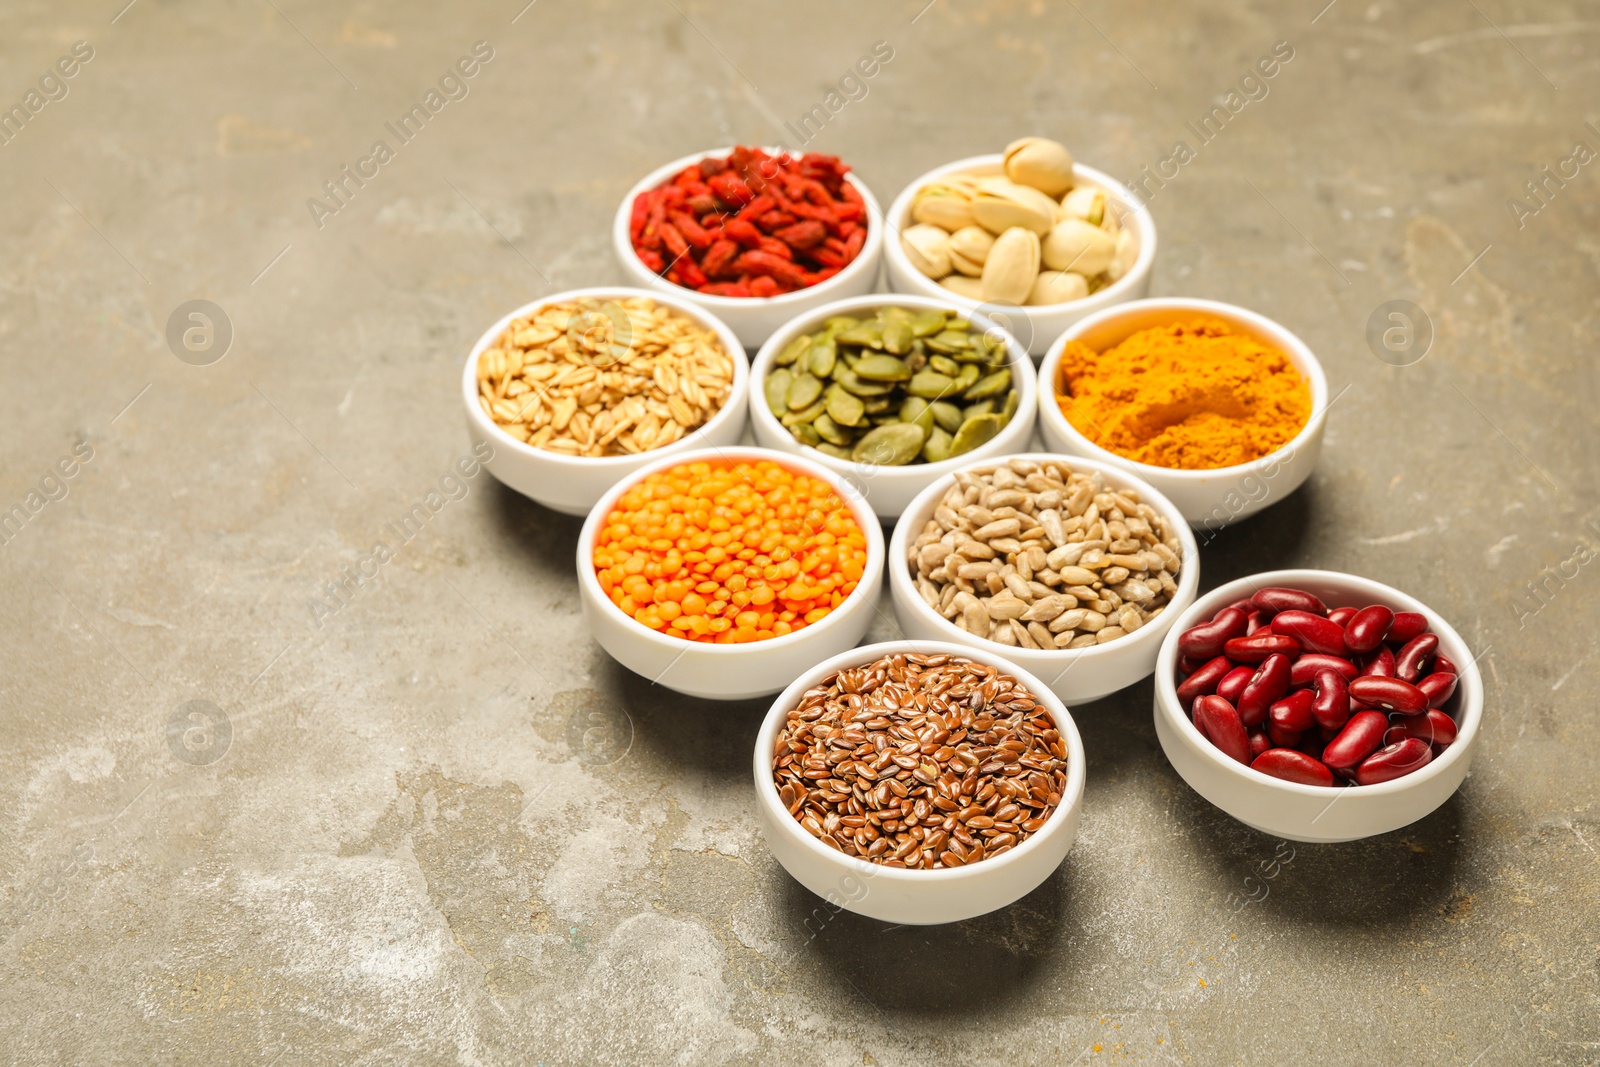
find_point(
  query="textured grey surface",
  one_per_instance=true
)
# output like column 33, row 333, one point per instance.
column 410, row 850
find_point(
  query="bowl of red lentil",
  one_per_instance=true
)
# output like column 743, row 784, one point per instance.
column 577, row 390
column 1218, row 407
column 830, row 233
column 919, row 782
column 723, row 573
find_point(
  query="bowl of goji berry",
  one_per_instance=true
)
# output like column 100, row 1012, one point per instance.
column 756, row 236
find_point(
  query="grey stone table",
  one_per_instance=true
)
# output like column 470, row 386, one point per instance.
column 440, row 825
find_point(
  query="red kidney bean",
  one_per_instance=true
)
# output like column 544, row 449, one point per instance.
column 1292, row 766
column 1283, row 738
column 1207, row 639
column 1269, row 682
column 1187, row 666
column 1330, row 701
column 1219, row 721
column 1442, row 664
column 1379, row 664
column 1305, row 669
column 1242, row 605
column 1434, row 727
column 1274, row 599
column 1406, row 625
column 1390, row 694
column 1437, row 687
column 1360, row 737
column 1255, row 621
column 1233, row 683
column 1314, row 632
column 1366, row 630
column 1257, row 647
column 1203, row 681
column 1259, row 742
column 1394, row 735
column 1410, row 661
column 1394, row 761
column 1293, row 712
column 1342, row 616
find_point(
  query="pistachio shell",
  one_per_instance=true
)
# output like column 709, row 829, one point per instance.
column 893, row 445
column 961, row 285
column 1086, row 203
column 1073, row 244
column 1012, row 265
column 947, row 206
column 972, row 243
column 1058, row 287
column 1126, row 255
column 928, row 249
column 1039, row 162
column 1002, row 204
column 965, row 266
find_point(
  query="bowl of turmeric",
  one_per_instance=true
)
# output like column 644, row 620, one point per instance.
column 1219, row 408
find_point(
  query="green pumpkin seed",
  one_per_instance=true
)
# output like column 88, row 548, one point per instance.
column 803, row 392
column 897, row 337
column 968, row 377
column 829, row 430
column 829, row 449
column 1013, row 398
column 930, row 384
column 795, row 418
column 844, row 409
column 883, row 369
column 974, row 432
column 937, row 447
column 852, row 382
column 877, row 405
column 868, row 333
column 947, row 415
column 793, row 350
column 990, row 385
column 777, row 388
column 840, row 322
column 976, row 408
column 807, row 434
column 889, row 446
column 949, row 341
column 944, row 365
column 823, row 355
column 927, row 323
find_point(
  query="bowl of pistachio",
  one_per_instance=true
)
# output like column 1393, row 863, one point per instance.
column 893, row 392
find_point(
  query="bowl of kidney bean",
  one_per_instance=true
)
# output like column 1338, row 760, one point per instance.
column 1317, row 706
column 755, row 236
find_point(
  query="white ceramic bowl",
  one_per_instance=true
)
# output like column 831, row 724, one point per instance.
column 752, row 318
column 1309, row 812
column 1077, row 676
column 572, row 484
column 729, row 672
column 890, row 489
column 1034, row 326
column 912, row 897
column 1207, row 498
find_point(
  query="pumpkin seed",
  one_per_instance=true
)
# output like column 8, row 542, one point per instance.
column 927, row 323
column 968, row 377
column 930, row 384
column 946, row 415
column 850, row 381
column 844, row 409
column 822, row 357
column 869, row 334
column 937, row 448
column 806, row 434
column 948, row 341
column 803, row 392
column 777, row 388
column 897, row 337
column 944, row 365
column 883, row 369
column 793, row 350
column 829, row 449
column 989, row 385
column 974, row 432
column 831, row 431
column 795, row 418
column 889, row 446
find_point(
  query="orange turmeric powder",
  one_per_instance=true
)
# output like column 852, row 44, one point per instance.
column 1193, row 395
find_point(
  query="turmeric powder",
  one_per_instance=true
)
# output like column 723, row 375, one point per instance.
column 1193, row 395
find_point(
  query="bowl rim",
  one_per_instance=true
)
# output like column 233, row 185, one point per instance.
column 1284, row 339
column 601, row 464
column 900, row 209
column 767, row 792
column 860, row 510
column 1469, row 690
column 871, row 248
column 899, row 574
column 867, row 472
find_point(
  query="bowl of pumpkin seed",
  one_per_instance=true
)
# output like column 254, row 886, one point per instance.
column 893, row 392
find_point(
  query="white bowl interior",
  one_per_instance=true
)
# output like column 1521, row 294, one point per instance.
column 917, row 897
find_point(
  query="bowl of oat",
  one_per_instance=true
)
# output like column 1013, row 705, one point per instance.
column 1072, row 568
column 579, row 389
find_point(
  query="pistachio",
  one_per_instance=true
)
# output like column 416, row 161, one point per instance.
column 947, row 205
column 971, row 243
column 1012, row 265
column 962, row 285
column 928, row 249
column 1126, row 255
column 1058, row 287
column 1041, row 163
column 1001, row 205
column 1086, row 203
column 1073, row 244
